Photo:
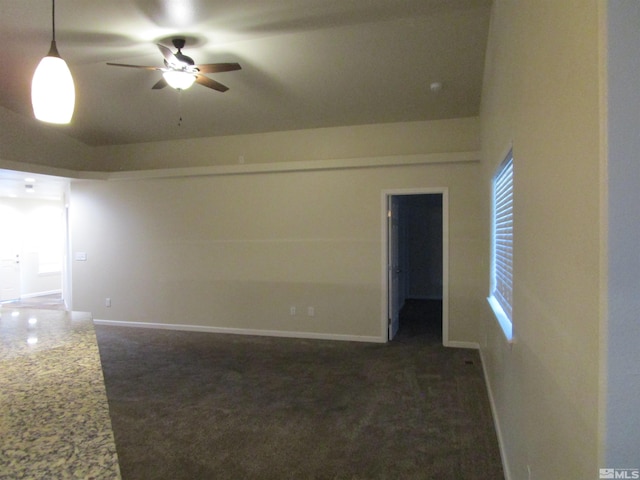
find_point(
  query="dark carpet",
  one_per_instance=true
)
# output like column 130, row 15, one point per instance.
column 188, row 405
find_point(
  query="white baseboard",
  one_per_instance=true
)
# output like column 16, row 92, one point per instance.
column 496, row 422
column 242, row 331
column 456, row 344
column 41, row 294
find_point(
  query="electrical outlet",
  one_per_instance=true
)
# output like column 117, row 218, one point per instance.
column 311, row 311
column 107, row 302
column 292, row 311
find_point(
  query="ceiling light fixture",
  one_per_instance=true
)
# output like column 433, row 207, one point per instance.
column 178, row 79
column 53, row 94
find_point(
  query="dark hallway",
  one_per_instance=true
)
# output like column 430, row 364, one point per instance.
column 421, row 320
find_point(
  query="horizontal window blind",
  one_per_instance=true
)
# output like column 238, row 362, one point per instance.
column 502, row 268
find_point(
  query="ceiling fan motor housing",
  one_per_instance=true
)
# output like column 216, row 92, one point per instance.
column 179, row 44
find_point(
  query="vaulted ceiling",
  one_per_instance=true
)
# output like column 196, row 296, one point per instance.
column 305, row 63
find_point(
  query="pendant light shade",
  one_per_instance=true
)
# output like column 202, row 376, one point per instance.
column 53, row 93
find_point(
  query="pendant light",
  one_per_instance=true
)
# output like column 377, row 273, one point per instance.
column 53, row 94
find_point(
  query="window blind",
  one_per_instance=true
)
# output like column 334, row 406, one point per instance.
column 502, row 271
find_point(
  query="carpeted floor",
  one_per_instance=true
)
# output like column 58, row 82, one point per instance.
column 188, row 405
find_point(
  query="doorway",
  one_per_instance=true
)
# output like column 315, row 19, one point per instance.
column 9, row 255
column 416, row 261
column 33, row 257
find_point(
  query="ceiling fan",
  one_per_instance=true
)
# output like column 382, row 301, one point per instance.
column 180, row 71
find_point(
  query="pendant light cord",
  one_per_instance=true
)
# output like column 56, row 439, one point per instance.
column 53, row 18
column 53, row 51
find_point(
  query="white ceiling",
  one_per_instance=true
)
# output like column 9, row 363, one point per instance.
column 305, row 63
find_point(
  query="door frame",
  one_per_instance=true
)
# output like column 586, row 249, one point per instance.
column 386, row 286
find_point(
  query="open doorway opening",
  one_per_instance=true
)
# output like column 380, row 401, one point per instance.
column 33, row 261
column 416, row 264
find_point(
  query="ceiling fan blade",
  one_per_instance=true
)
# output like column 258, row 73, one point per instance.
column 207, row 82
column 133, row 66
column 218, row 67
column 160, row 84
column 168, row 55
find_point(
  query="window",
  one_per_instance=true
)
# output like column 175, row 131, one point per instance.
column 502, row 246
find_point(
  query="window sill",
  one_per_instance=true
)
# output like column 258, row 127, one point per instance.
column 505, row 324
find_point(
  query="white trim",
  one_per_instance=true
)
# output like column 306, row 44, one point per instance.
column 41, row 294
column 67, row 290
column 298, row 166
column 505, row 324
column 332, row 163
column 444, row 191
column 496, row 422
column 505, row 152
column 457, row 344
column 50, row 273
column 241, row 331
column 249, row 168
column 42, row 169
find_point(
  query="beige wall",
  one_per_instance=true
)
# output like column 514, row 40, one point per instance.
column 29, row 145
column 237, row 251
column 364, row 141
column 541, row 95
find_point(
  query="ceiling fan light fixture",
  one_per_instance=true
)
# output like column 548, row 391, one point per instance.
column 178, row 79
column 53, row 95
